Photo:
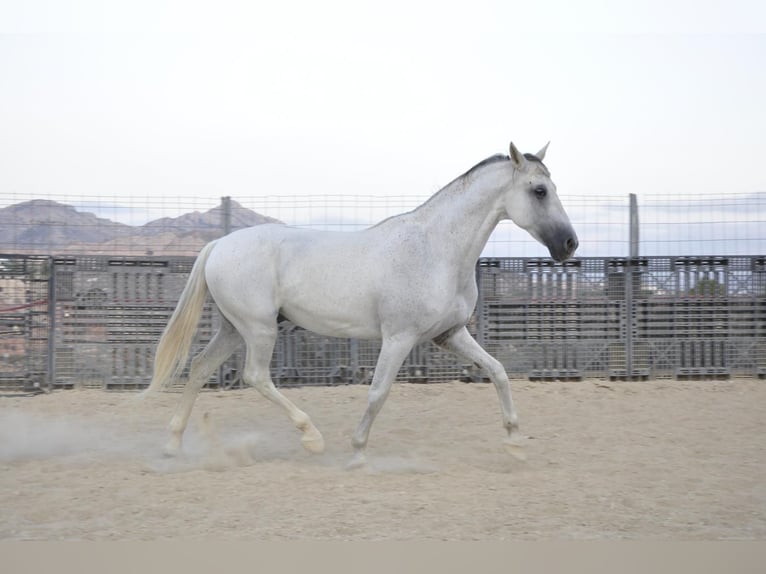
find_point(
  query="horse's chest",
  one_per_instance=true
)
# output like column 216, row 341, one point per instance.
column 452, row 312
column 461, row 310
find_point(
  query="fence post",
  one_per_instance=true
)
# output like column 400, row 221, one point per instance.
column 51, row 359
column 481, row 331
column 634, row 237
column 630, row 311
column 226, row 229
column 226, row 214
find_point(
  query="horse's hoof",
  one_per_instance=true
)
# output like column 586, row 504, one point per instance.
column 170, row 451
column 172, row 447
column 515, row 448
column 359, row 460
column 313, row 442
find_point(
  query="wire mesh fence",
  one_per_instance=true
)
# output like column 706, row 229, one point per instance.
column 86, row 288
column 67, row 224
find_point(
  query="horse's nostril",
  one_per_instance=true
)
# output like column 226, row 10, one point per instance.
column 571, row 244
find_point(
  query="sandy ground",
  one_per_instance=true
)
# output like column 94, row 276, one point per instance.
column 660, row 460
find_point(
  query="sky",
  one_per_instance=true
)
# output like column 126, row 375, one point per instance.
column 206, row 99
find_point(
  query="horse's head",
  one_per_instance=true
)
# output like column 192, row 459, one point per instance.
column 531, row 203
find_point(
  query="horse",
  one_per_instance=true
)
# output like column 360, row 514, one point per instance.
column 406, row 280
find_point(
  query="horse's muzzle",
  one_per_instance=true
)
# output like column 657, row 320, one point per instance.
column 563, row 246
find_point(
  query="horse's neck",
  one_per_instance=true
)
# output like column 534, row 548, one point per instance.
column 462, row 216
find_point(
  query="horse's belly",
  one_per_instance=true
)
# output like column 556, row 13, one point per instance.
column 334, row 324
column 331, row 307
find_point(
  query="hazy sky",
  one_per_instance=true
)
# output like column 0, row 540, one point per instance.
column 386, row 98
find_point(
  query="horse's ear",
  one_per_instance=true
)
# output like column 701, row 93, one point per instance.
column 541, row 153
column 517, row 157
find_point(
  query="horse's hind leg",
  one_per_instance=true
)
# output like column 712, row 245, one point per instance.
column 220, row 347
column 260, row 345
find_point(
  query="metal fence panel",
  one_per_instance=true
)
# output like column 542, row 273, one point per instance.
column 625, row 318
column 24, row 321
column 110, row 313
column 95, row 322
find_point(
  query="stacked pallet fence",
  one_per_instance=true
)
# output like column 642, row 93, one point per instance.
column 547, row 320
column 94, row 321
column 25, row 321
column 703, row 317
column 625, row 318
column 111, row 311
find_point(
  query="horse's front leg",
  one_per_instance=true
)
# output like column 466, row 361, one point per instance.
column 461, row 343
column 392, row 354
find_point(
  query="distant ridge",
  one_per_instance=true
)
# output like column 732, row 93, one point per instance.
column 42, row 226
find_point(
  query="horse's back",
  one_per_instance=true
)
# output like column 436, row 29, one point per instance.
column 311, row 277
column 286, row 249
column 346, row 284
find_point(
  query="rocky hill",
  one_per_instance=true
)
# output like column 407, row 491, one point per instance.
column 48, row 227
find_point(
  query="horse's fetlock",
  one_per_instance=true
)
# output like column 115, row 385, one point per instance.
column 302, row 422
column 512, row 425
column 176, row 424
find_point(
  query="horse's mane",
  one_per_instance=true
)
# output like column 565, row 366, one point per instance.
column 498, row 157
column 492, row 159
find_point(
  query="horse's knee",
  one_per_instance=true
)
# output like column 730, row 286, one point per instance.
column 262, row 383
column 496, row 371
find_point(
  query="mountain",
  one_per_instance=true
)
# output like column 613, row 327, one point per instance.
column 48, row 227
column 208, row 221
column 41, row 222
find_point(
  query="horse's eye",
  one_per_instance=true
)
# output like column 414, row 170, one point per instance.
column 540, row 191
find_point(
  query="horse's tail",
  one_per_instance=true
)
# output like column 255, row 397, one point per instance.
column 173, row 348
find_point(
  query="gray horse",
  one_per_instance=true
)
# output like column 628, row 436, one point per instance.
column 406, row 280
